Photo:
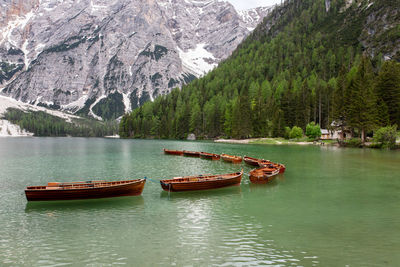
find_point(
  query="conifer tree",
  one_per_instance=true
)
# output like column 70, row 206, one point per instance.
column 388, row 89
column 362, row 108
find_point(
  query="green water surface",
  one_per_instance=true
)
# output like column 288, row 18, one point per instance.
column 332, row 207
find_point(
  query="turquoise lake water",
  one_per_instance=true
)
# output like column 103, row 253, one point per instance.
column 332, row 207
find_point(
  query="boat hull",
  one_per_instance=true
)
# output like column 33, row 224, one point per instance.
column 210, row 156
column 133, row 188
column 201, row 184
column 259, row 176
column 173, row 152
column 231, row 159
column 251, row 161
column 191, row 154
column 267, row 163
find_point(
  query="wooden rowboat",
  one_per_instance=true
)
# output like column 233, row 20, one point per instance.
column 251, row 161
column 263, row 175
column 232, row 159
column 267, row 163
column 212, row 156
column 201, row 182
column 173, row 152
column 84, row 190
column 191, row 153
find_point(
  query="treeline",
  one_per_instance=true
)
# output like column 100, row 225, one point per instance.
column 43, row 124
column 297, row 72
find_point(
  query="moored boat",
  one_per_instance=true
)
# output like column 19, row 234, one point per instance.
column 251, row 161
column 268, row 163
column 212, row 156
column 173, row 152
column 263, row 175
column 230, row 158
column 201, row 182
column 84, row 190
column 191, row 153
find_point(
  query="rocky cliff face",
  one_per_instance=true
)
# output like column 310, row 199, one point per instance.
column 105, row 57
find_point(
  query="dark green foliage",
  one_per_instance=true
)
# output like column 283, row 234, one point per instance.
column 154, row 79
column 388, row 88
column 157, row 54
column 110, row 107
column 49, row 106
column 134, row 99
column 15, row 51
column 354, row 142
column 362, row 103
column 144, row 98
column 7, row 70
column 313, row 131
column 86, row 108
column 172, row 82
column 115, row 76
column 43, row 124
column 159, row 51
column 188, row 77
column 296, row 133
column 71, row 43
column 386, row 136
column 287, row 133
column 302, row 64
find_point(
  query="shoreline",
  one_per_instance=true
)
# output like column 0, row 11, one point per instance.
column 273, row 141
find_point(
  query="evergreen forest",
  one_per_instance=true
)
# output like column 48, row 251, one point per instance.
column 43, row 124
column 307, row 62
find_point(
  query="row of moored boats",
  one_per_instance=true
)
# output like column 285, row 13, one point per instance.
column 266, row 172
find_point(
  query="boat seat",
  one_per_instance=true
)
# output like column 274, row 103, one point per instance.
column 53, row 187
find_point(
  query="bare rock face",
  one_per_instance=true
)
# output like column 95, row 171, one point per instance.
column 106, row 57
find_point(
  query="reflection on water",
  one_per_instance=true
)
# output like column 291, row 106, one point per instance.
column 220, row 192
column 332, row 207
column 89, row 204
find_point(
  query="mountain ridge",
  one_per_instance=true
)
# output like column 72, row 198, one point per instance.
column 290, row 72
column 107, row 53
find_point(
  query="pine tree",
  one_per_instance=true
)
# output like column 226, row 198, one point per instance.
column 362, row 109
column 340, row 100
column 388, row 89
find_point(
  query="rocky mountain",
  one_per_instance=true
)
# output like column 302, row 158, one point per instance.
column 106, row 57
column 308, row 61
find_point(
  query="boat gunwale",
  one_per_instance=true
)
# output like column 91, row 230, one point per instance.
column 69, row 188
column 202, row 178
column 210, row 155
column 231, row 158
column 172, row 151
column 264, row 174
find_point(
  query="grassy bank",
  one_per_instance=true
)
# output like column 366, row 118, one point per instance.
column 277, row 141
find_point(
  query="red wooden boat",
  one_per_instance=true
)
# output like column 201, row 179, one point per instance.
column 268, row 163
column 201, row 182
column 230, row 158
column 263, row 175
column 212, row 156
column 84, row 190
column 251, row 161
column 173, row 152
column 191, row 153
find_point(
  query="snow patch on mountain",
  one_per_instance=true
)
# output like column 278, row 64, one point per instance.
column 127, row 103
column 63, row 53
column 76, row 105
column 197, row 60
column 7, row 129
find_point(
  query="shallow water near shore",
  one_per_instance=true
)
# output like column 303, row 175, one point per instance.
column 332, row 207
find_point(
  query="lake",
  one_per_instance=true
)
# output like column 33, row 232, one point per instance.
column 332, row 207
